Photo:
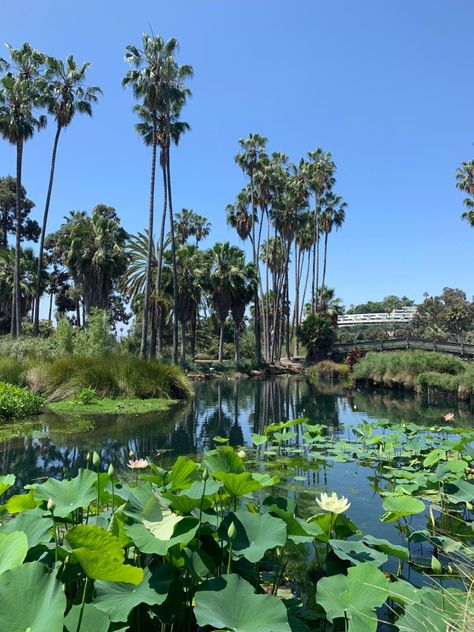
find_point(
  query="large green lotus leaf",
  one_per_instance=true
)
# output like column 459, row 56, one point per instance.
column 183, row 473
column 36, row 524
column 357, row 552
column 255, row 533
column 265, row 480
column 434, row 456
column 96, row 565
column 95, row 539
column 298, row 529
column 6, row 482
column 31, row 599
column 117, row 600
column 238, row 485
column 145, row 502
column 13, row 550
column 354, row 595
column 460, row 491
column 450, row 469
column 387, row 547
column 209, row 488
column 93, row 619
column 433, row 611
column 69, row 494
column 21, row 502
column 402, row 505
column 183, row 504
column 144, row 538
column 230, row 603
column 447, row 544
column 223, row 459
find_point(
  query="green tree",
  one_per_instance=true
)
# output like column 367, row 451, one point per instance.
column 449, row 316
column 20, row 95
column 64, row 95
column 317, row 333
column 30, row 229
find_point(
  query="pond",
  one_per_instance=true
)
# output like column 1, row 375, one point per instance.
column 55, row 445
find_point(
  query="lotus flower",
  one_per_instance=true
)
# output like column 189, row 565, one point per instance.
column 242, row 454
column 332, row 503
column 449, row 417
column 138, row 464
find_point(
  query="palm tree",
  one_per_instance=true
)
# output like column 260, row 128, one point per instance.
column 253, row 151
column 243, row 287
column 19, row 95
column 332, row 216
column 320, row 174
column 465, row 182
column 148, row 78
column 226, row 271
column 28, row 271
column 202, row 228
column 238, row 215
column 64, row 94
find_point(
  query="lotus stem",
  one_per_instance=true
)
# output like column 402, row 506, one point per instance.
column 83, row 603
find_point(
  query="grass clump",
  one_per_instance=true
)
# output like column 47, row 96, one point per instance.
column 328, row 371
column 417, row 371
column 18, row 402
column 109, row 406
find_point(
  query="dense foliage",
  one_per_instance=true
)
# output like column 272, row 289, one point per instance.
column 417, row 370
column 212, row 544
column 18, row 402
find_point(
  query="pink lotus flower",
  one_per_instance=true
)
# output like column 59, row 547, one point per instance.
column 448, row 417
column 138, row 464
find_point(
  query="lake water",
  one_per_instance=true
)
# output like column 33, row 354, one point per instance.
column 53, row 445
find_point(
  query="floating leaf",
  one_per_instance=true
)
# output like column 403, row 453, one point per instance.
column 357, row 552
column 43, row 603
column 387, row 547
column 230, row 603
column 355, row 596
column 13, row 550
column 398, row 506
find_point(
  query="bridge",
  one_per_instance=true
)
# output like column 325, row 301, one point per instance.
column 398, row 344
column 402, row 315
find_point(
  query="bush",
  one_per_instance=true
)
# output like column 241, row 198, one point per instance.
column 18, row 402
column 28, row 347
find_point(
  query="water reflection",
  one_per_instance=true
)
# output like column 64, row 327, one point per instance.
column 53, row 445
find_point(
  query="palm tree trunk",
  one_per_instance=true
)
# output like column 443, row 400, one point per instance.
column 258, row 347
column 237, row 342
column 296, row 307
column 194, row 320
column 50, row 314
column 173, row 258
column 16, row 306
column 305, row 286
column 314, row 283
column 146, row 302
column 323, row 281
column 182, row 358
column 287, row 307
column 43, row 231
column 221, row 342
column 160, row 255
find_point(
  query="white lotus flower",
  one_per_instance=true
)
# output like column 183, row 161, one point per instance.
column 242, row 454
column 332, row 503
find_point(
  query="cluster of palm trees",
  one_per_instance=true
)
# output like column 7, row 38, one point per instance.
column 287, row 211
column 465, row 182
column 33, row 82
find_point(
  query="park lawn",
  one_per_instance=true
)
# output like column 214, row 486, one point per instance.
column 112, row 406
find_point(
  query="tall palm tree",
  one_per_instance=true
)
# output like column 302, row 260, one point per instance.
column 320, row 173
column 333, row 215
column 465, row 182
column 148, row 77
column 238, row 215
column 65, row 94
column 242, row 291
column 20, row 94
column 253, row 151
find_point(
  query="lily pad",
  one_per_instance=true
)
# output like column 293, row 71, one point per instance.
column 69, row 495
column 255, row 534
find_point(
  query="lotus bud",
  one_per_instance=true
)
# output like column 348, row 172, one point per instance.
column 278, row 551
column 241, row 454
column 88, row 457
column 110, row 470
column 131, row 454
column 95, row 459
column 51, row 504
column 205, row 474
column 231, row 531
column 66, row 560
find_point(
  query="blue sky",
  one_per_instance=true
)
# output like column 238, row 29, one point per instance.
column 387, row 87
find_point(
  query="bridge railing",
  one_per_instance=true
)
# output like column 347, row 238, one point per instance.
column 394, row 344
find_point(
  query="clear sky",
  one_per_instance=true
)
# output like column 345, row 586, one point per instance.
column 386, row 86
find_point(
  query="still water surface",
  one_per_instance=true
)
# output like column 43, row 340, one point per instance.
column 54, row 445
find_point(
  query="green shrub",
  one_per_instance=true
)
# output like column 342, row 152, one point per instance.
column 328, row 371
column 65, row 336
column 28, row 347
column 317, row 333
column 18, row 402
column 87, row 396
column 96, row 338
column 12, row 370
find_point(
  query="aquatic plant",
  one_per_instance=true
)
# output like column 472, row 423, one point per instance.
column 18, row 402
